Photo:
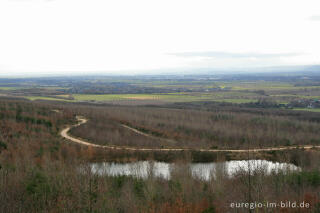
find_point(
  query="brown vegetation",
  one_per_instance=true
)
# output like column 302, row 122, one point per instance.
column 195, row 129
column 39, row 171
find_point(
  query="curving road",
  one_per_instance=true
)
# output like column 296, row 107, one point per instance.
column 82, row 120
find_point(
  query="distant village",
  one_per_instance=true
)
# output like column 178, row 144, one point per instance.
column 304, row 103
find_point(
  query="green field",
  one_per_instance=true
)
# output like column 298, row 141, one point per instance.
column 174, row 97
column 237, row 101
column 33, row 98
column 307, row 109
column 10, row 88
column 139, row 97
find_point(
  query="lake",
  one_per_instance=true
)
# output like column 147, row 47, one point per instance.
column 204, row 171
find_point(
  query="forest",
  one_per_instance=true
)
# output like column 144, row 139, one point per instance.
column 39, row 170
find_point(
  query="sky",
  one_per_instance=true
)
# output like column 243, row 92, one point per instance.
column 148, row 36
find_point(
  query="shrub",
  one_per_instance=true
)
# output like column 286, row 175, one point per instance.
column 3, row 145
column 311, row 178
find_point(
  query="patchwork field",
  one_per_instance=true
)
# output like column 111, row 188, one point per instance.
column 267, row 91
column 175, row 97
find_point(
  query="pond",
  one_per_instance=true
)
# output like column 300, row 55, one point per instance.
column 205, row 171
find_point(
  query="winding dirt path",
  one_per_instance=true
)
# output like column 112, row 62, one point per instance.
column 82, row 120
column 148, row 135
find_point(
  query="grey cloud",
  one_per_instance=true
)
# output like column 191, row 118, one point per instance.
column 315, row 18
column 217, row 54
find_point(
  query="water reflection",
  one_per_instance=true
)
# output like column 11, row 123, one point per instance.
column 205, row 171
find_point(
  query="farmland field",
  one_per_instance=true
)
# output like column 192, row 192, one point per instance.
column 123, row 91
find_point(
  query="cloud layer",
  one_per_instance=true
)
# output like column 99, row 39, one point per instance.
column 315, row 18
column 217, row 54
column 70, row 36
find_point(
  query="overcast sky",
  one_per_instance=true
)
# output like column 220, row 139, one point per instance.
column 138, row 36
